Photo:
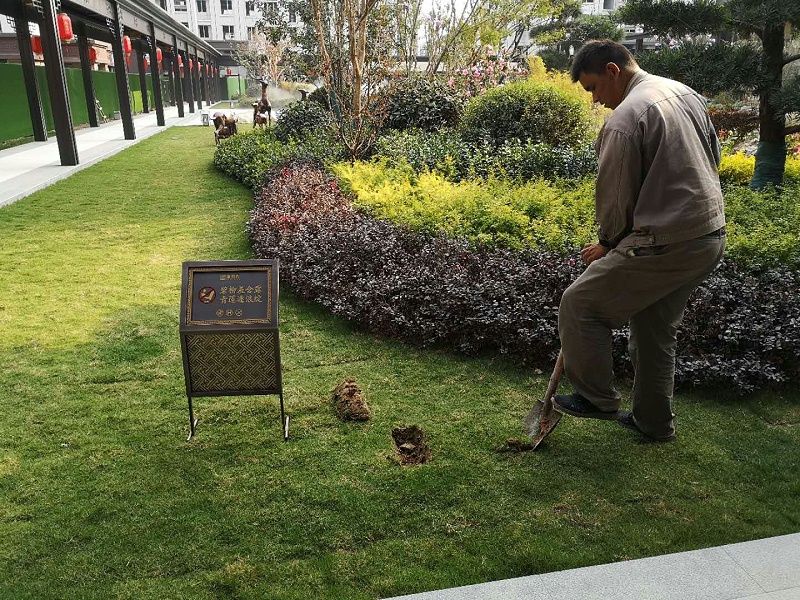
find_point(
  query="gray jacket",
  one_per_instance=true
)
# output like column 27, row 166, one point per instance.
column 658, row 156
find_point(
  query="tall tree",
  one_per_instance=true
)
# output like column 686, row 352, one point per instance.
column 459, row 30
column 757, row 64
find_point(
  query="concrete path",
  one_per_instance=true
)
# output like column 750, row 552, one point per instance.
column 767, row 569
column 31, row 167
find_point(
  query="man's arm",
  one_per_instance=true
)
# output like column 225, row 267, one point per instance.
column 619, row 180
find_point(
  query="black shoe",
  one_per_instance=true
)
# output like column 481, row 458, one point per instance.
column 578, row 406
column 625, row 419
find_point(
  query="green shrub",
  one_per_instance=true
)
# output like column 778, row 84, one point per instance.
column 414, row 102
column 448, row 154
column 538, row 111
column 247, row 156
column 490, row 213
column 764, row 227
column 299, row 118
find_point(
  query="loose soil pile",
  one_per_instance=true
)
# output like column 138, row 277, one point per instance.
column 412, row 447
column 348, row 399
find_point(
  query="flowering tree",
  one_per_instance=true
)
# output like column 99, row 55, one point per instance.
column 262, row 57
column 456, row 33
column 489, row 70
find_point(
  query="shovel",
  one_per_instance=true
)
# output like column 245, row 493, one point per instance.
column 543, row 417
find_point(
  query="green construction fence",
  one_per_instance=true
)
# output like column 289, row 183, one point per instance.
column 14, row 101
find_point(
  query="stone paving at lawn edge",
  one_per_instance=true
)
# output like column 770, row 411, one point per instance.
column 767, row 569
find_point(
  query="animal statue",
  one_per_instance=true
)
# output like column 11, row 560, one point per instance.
column 224, row 126
column 262, row 110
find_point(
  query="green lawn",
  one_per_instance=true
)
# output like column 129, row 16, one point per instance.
column 102, row 497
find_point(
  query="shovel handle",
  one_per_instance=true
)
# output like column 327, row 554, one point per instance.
column 554, row 379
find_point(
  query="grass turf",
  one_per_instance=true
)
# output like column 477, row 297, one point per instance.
column 101, row 496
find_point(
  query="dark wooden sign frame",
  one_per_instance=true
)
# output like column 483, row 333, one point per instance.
column 229, row 331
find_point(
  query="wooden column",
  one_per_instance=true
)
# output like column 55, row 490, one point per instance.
column 86, row 72
column 121, row 73
column 31, row 84
column 140, row 51
column 177, row 77
column 196, row 81
column 168, row 60
column 187, row 80
column 57, row 86
column 155, row 75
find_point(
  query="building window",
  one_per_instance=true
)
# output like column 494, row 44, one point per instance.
column 251, row 33
column 185, row 25
column 292, row 16
column 163, row 4
column 225, row 5
column 203, row 31
column 227, row 32
column 202, row 7
column 249, row 7
column 180, row 4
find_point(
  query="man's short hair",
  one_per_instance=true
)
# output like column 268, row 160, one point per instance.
column 594, row 55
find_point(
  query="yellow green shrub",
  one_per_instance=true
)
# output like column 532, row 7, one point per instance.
column 738, row 168
column 491, row 213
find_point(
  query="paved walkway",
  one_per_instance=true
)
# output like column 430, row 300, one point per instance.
column 30, row 167
column 767, row 569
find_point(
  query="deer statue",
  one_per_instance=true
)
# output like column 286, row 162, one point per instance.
column 262, row 110
column 224, row 126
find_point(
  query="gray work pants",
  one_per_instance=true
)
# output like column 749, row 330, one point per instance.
column 647, row 287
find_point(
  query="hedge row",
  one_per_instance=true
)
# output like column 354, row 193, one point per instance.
column 248, row 155
column 489, row 213
column 742, row 327
column 448, row 153
column 763, row 227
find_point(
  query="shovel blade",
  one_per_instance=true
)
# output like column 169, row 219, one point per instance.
column 540, row 422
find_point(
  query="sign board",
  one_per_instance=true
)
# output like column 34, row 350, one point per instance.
column 229, row 331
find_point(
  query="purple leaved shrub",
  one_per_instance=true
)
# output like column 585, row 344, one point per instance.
column 742, row 328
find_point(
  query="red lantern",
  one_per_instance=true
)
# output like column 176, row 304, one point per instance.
column 128, row 59
column 64, row 27
column 208, row 68
column 126, row 44
column 146, row 64
column 191, row 64
column 92, row 55
column 36, row 44
column 180, row 61
column 158, row 54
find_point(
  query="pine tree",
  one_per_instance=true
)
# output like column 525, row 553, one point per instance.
column 756, row 63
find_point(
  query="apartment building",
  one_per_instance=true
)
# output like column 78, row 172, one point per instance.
column 218, row 20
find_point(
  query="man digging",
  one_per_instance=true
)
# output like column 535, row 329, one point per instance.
column 661, row 232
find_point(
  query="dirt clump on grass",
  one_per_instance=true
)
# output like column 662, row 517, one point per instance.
column 411, row 444
column 349, row 402
column 516, row 445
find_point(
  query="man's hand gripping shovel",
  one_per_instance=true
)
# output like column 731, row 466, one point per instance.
column 543, row 417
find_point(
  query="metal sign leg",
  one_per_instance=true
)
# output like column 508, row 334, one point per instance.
column 284, row 421
column 192, row 420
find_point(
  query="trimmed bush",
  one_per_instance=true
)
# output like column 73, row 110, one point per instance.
column 247, row 156
column 414, row 102
column 764, row 226
column 299, row 119
column 741, row 328
column 447, row 153
column 529, row 110
column 491, row 213
column 738, row 168
column 732, row 121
